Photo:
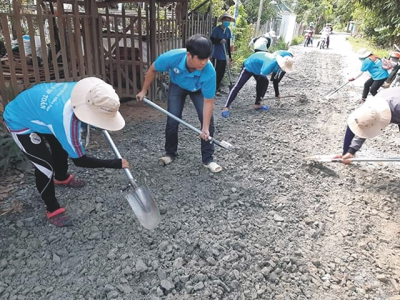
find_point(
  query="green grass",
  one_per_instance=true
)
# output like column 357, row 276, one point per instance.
column 358, row 43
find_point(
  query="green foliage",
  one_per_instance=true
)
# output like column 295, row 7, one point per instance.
column 297, row 40
column 358, row 43
column 278, row 45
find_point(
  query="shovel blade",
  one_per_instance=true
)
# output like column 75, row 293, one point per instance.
column 144, row 207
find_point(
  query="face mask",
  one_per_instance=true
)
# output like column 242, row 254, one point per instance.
column 226, row 23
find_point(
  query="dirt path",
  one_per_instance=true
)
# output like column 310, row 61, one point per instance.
column 270, row 226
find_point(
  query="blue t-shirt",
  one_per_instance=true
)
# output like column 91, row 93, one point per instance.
column 220, row 33
column 282, row 53
column 174, row 61
column 261, row 63
column 374, row 68
column 46, row 108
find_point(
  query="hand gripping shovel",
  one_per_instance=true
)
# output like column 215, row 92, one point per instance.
column 141, row 200
column 331, row 158
column 331, row 93
column 223, row 144
column 229, row 69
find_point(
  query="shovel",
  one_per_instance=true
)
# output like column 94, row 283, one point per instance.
column 229, row 69
column 141, row 200
column 223, row 144
column 331, row 158
column 330, row 93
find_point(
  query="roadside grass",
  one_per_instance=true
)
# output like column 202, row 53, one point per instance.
column 358, row 43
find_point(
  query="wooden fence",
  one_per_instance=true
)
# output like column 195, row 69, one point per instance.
column 70, row 45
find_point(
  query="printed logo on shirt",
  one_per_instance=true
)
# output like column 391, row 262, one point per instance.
column 35, row 139
column 176, row 71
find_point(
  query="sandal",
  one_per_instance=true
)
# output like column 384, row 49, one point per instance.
column 165, row 160
column 59, row 218
column 213, row 167
column 262, row 108
column 70, row 181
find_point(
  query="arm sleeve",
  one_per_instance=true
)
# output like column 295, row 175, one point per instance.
column 91, row 162
column 214, row 37
column 356, row 144
column 366, row 65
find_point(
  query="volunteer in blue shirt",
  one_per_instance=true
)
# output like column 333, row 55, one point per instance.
column 370, row 119
column 53, row 113
column 258, row 65
column 277, row 77
column 221, row 37
column 372, row 64
column 191, row 73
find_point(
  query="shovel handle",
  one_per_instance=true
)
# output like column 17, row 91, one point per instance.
column 118, row 155
column 152, row 104
column 227, row 64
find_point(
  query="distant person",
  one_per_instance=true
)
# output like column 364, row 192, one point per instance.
column 53, row 113
column 258, row 65
column 191, row 74
column 221, row 39
column 261, row 43
column 372, row 64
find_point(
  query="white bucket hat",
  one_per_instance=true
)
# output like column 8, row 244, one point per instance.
column 226, row 15
column 363, row 53
column 285, row 63
column 96, row 103
column 371, row 118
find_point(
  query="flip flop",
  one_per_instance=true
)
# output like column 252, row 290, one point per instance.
column 213, row 167
column 165, row 160
column 262, row 108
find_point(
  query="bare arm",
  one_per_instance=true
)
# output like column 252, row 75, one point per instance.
column 148, row 79
column 208, row 109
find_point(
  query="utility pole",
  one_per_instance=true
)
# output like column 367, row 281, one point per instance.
column 259, row 18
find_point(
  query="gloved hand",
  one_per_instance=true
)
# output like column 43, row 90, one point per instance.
column 351, row 79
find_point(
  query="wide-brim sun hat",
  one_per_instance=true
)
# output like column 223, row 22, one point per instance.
column 363, row 53
column 371, row 118
column 285, row 63
column 96, row 103
column 226, row 15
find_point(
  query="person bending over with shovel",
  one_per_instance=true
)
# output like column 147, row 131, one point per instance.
column 369, row 120
column 259, row 65
column 372, row 64
column 191, row 73
column 53, row 113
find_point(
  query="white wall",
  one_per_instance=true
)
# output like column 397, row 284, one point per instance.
column 287, row 28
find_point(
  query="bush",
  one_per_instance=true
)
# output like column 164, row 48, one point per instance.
column 297, row 41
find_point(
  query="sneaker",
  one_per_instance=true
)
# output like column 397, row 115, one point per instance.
column 59, row 218
column 262, row 108
column 225, row 113
column 70, row 181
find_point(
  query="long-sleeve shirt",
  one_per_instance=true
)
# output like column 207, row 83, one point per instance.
column 374, row 68
column 392, row 96
column 218, row 34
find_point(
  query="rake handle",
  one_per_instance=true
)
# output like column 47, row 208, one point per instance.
column 152, row 104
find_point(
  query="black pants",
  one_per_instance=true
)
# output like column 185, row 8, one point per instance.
column 244, row 76
column 276, row 78
column 220, row 66
column 372, row 86
column 46, row 163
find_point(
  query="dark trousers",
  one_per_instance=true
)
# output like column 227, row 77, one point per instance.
column 244, row 76
column 348, row 137
column 276, row 78
column 372, row 86
column 220, row 66
column 176, row 102
column 46, row 163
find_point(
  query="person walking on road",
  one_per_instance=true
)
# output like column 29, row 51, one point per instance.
column 221, row 39
column 191, row 73
column 372, row 64
column 259, row 65
column 54, row 113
